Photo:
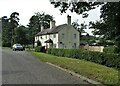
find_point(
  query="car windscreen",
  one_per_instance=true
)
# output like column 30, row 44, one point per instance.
column 18, row 45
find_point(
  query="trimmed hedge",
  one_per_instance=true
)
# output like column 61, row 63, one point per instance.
column 40, row 49
column 110, row 60
column 110, row 49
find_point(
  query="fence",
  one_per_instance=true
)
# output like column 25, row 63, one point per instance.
column 93, row 48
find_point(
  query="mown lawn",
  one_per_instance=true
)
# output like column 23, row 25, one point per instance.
column 88, row 69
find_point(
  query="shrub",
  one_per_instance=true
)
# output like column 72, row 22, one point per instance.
column 6, row 44
column 38, row 43
column 110, row 49
column 40, row 49
column 107, row 59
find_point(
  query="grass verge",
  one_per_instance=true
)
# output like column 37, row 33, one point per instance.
column 88, row 69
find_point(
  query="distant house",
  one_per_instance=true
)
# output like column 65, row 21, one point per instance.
column 62, row 36
column 83, row 42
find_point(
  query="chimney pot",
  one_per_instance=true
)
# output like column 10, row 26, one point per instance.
column 69, row 20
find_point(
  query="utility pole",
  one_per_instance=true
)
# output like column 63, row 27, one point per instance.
column 0, row 32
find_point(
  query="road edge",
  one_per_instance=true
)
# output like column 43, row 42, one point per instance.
column 78, row 75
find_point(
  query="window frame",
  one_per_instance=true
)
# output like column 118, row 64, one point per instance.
column 63, row 35
column 75, row 36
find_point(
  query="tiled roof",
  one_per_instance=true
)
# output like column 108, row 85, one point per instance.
column 53, row 30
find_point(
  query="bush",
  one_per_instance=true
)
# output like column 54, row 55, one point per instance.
column 107, row 59
column 40, row 49
column 6, row 44
column 38, row 43
column 110, row 49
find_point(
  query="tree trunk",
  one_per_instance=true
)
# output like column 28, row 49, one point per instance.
column 33, row 43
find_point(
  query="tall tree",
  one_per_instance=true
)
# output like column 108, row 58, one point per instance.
column 109, row 25
column 21, row 33
column 11, row 29
column 80, row 27
column 110, row 13
column 6, row 31
column 75, row 6
column 35, row 24
column 110, row 16
column 13, row 23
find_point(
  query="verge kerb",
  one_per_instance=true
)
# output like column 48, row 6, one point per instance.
column 78, row 75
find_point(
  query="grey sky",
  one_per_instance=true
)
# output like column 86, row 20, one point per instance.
column 27, row 8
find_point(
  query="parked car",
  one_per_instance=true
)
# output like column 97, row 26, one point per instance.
column 17, row 47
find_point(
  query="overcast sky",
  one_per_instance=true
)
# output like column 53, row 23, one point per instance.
column 27, row 8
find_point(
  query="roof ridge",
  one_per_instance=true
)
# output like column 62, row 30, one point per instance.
column 53, row 30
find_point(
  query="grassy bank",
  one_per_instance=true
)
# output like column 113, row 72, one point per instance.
column 91, row 70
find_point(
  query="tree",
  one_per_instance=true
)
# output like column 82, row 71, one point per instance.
column 21, row 35
column 109, row 25
column 13, row 23
column 110, row 16
column 12, row 32
column 44, row 19
column 6, row 32
column 80, row 28
column 35, row 24
column 76, row 6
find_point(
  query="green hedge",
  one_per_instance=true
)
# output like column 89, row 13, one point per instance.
column 40, row 49
column 110, row 49
column 6, row 44
column 110, row 60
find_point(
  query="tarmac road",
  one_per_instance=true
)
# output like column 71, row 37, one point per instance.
column 20, row 67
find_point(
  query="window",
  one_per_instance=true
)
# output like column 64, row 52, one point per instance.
column 50, row 36
column 54, row 35
column 74, row 35
column 41, row 37
column 60, row 42
column 36, row 38
column 63, row 35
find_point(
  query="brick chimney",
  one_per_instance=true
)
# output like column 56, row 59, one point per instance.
column 68, row 20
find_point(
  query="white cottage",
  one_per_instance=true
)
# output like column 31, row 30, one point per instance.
column 62, row 36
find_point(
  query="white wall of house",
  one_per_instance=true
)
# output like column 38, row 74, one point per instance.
column 43, row 38
column 54, row 38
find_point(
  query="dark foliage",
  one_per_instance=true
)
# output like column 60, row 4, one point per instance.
column 38, row 43
column 40, row 49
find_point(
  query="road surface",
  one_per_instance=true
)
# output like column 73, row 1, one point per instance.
column 20, row 67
